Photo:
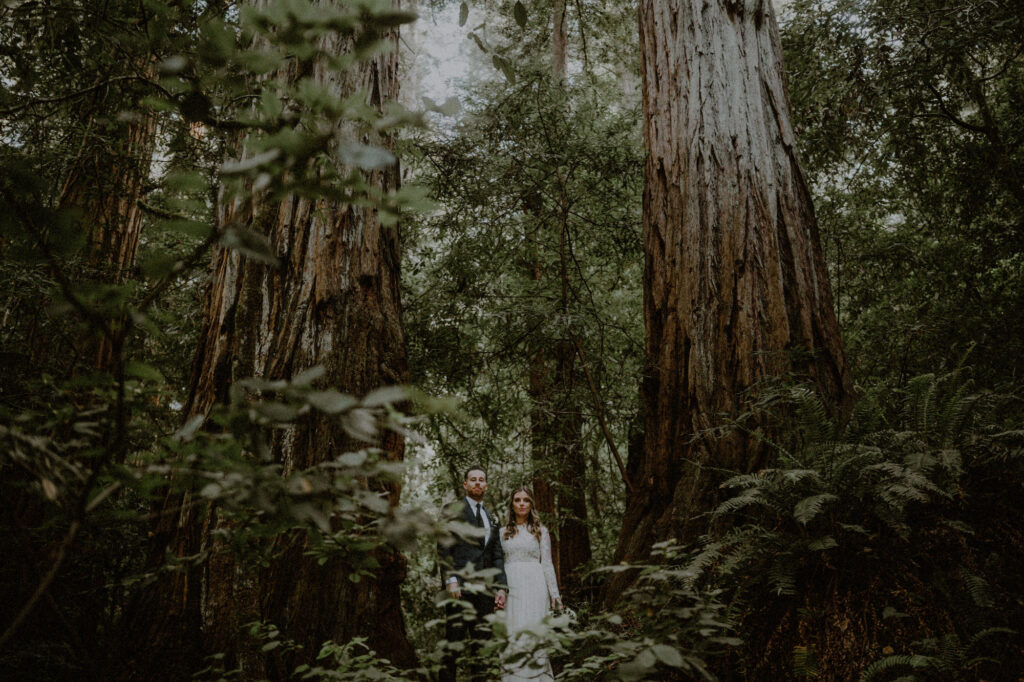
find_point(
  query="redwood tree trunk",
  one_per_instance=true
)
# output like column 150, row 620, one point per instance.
column 735, row 286
column 333, row 301
column 105, row 181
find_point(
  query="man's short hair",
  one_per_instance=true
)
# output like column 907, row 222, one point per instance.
column 475, row 467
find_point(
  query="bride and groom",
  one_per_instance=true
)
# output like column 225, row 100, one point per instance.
column 520, row 553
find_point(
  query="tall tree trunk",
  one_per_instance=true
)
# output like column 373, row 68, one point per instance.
column 557, row 420
column 735, row 286
column 105, row 182
column 334, row 301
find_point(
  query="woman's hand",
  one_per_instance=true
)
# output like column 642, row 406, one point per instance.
column 556, row 604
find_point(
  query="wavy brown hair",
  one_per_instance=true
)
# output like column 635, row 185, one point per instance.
column 533, row 523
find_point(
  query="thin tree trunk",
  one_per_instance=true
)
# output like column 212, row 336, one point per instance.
column 556, row 417
column 559, row 40
column 105, row 182
column 735, row 286
column 334, row 301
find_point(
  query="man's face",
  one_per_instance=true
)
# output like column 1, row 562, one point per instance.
column 475, row 484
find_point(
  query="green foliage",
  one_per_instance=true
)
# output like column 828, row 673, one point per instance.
column 97, row 360
column 908, row 116
column 847, row 504
column 535, row 246
column 945, row 658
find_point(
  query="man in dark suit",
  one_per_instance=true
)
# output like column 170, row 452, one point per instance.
column 483, row 552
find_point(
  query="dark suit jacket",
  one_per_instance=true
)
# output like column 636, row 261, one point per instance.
column 464, row 551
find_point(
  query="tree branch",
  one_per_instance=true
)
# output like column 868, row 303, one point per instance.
column 600, row 417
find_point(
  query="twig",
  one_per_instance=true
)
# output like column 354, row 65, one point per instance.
column 600, row 417
column 73, row 95
column 44, row 584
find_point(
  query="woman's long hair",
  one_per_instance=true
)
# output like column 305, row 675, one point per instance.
column 533, row 523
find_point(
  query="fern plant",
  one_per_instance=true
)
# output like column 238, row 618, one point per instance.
column 886, row 493
column 940, row 658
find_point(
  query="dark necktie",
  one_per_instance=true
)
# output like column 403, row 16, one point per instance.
column 479, row 518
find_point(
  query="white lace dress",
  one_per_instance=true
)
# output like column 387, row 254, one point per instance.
column 531, row 587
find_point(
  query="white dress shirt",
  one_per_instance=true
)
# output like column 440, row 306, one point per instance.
column 483, row 515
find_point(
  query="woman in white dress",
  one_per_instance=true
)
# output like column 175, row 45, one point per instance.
column 533, row 589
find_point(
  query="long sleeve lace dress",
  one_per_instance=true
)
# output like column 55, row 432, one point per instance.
column 531, row 587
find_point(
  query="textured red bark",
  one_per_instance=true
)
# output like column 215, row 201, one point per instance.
column 735, row 286
column 105, row 182
column 333, row 301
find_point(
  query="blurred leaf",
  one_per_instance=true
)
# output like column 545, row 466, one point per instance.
column 385, row 395
column 330, row 401
column 143, row 371
column 365, row 156
column 307, row 376
column 251, row 244
column 519, row 12
column 479, row 43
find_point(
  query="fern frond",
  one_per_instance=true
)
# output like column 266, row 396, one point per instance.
column 882, row 665
column 745, row 480
column 822, row 543
column 809, row 507
column 950, row 654
column 920, row 461
column 780, row 576
column 956, row 412
column 793, row 476
column 805, row 661
column 920, row 392
column 952, row 461
column 812, row 417
column 853, row 457
column 985, row 634
column 866, row 416
column 747, row 498
column 979, row 590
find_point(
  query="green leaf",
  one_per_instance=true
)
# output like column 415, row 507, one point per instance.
column 277, row 412
column 260, row 61
column 307, row 376
column 247, row 164
column 505, row 66
column 668, row 655
column 385, row 395
column 479, row 43
column 193, row 228
column 463, row 14
column 353, row 459
column 157, row 264
column 143, row 371
column 519, row 12
column 330, row 401
column 270, row 104
column 646, row 659
column 251, row 244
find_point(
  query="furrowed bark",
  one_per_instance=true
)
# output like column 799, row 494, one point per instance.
column 735, row 286
column 333, row 301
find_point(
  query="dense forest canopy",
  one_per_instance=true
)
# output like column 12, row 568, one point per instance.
column 735, row 289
